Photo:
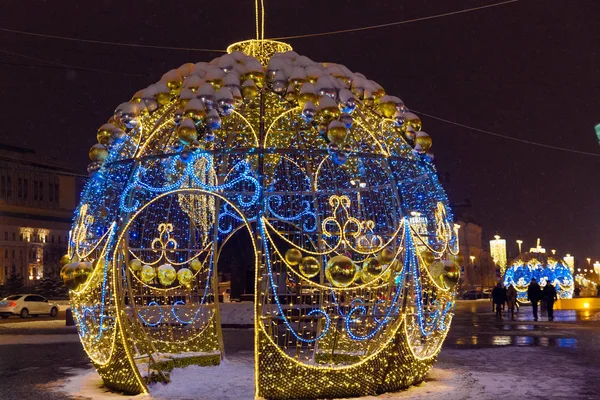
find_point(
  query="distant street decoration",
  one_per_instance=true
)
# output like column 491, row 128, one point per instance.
column 323, row 170
column 544, row 270
column 498, row 252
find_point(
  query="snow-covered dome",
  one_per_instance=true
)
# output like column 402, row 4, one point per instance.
column 197, row 104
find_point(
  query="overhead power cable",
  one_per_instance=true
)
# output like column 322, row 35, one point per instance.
column 408, row 21
column 530, row 142
column 102, row 42
column 68, row 66
column 146, row 46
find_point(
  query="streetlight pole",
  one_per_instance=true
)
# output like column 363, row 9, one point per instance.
column 519, row 242
column 473, row 267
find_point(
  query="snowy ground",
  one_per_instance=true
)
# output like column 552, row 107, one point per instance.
column 491, row 373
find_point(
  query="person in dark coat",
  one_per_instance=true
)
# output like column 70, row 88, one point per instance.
column 534, row 294
column 499, row 297
column 550, row 296
column 511, row 300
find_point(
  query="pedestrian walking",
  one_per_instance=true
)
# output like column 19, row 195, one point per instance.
column 550, row 296
column 534, row 294
column 498, row 297
column 511, row 300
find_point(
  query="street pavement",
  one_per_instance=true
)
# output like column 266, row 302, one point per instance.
column 29, row 371
column 14, row 319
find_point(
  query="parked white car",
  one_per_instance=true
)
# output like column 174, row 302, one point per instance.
column 25, row 305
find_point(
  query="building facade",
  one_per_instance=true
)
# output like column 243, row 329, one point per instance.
column 37, row 200
column 478, row 269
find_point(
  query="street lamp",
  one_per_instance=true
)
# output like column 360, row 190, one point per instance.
column 519, row 242
column 472, row 258
column 589, row 260
column 570, row 260
column 597, row 269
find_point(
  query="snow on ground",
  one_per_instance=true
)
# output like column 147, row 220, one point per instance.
column 507, row 372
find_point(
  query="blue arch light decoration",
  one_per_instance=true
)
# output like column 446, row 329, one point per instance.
column 521, row 272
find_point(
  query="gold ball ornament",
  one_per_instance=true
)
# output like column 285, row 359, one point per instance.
column 328, row 109
column 341, row 271
column 306, row 97
column 163, row 95
column 386, row 255
column 187, row 132
column 98, row 153
column 387, row 108
column 451, row 274
column 137, row 96
column 424, row 140
column 148, row 274
column 337, row 132
column 379, row 93
column 329, row 113
column 310, row 267
column 457, row 258
column 249, row 90
column 173, row 80
column 258, row 77
column 166, row 274
column 371, row 269
column 135, row 265
column 185, row 276
column 195, row 110
column 195, row 264
column 68, row 271
column 293, row 256
column 83, row 271
column 68, row 275
column 64, row 260
column 427, row 257
column 413, row 121
column 174, row 85
column 105, row 133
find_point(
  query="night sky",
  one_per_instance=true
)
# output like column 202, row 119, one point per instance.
column 529, row 70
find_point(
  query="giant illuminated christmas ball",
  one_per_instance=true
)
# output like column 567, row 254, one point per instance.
column 322, row 169
column 544, row 270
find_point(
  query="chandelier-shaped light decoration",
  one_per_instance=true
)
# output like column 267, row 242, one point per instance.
column 323, row 170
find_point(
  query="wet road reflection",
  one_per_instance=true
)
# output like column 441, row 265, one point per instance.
column 475, row 326
column 481, row 341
